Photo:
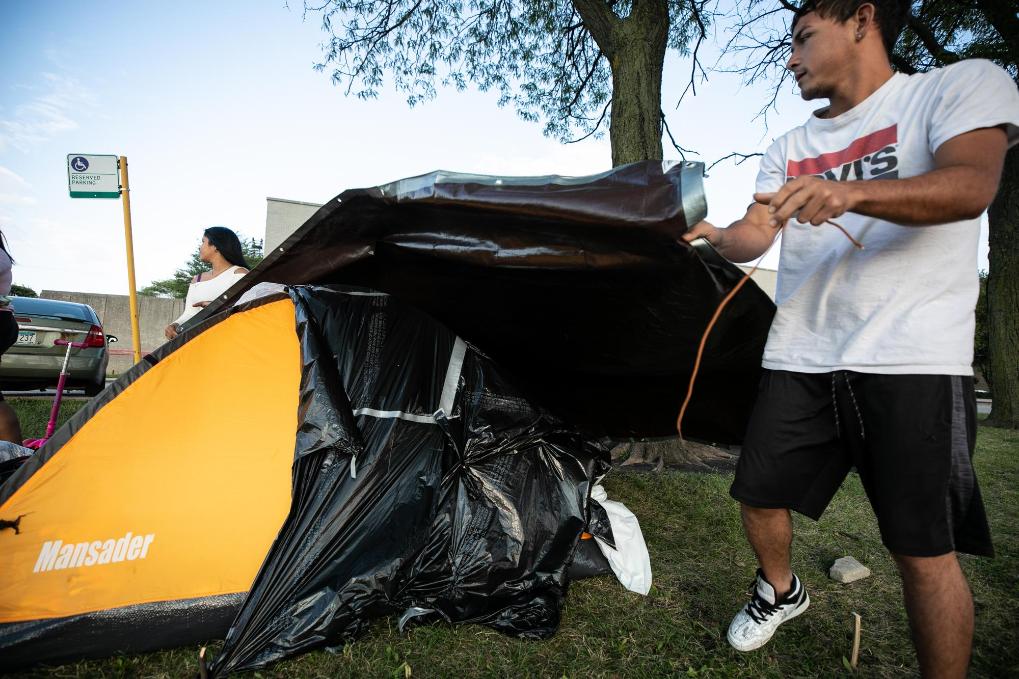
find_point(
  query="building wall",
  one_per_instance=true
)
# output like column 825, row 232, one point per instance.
column 154, row 314
column 766, row 279
column 282, row 217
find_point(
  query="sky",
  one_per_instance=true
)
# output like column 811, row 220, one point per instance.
column 217, row 106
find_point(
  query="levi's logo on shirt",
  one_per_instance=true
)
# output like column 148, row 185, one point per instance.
column 870, row 157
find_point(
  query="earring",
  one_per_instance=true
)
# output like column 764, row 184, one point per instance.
column 859, row 37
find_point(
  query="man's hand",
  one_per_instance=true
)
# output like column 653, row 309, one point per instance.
column 705, row 229
column 171, row 331
column 809, row 199
column 967, row 169
column 745, row 239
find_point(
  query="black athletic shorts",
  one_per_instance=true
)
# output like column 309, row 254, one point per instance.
column 910, row 437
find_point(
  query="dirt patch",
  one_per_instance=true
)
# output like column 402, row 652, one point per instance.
column 655, row 455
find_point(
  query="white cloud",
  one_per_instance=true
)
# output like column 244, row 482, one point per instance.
column 13, row 189
column 16, row 199
column 46, row 114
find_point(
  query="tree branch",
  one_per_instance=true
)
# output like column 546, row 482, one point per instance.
column 743, row 157
column 930, row 41
column 601, row 21
column 1005, row 22
column 682, row 151
column 650, row 10
column 902, row 65
column 596, row 125
column 583, row 85
column 702, row 33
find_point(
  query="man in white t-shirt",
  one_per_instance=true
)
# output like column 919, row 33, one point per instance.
column 868, row 362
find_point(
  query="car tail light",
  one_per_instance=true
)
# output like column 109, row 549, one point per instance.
column 95, row 337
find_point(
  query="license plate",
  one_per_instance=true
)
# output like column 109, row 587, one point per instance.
column 26, row 337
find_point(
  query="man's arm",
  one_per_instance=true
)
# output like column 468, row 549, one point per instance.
column 961, row 186
column 745, row 239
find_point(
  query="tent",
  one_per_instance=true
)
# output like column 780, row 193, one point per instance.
column 307, row 457
column 579, row 286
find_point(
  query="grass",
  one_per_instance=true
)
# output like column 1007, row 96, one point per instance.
column 702, row 567
column 34, row 413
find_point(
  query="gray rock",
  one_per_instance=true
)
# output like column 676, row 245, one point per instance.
column 847, row 569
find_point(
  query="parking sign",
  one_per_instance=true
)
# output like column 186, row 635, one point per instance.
column 91, row 176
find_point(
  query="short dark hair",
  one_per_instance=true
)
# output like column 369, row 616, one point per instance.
column 890, row 15
column 228, row 244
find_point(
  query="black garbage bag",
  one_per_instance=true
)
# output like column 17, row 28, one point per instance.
column 588, row 560
column 425, row 484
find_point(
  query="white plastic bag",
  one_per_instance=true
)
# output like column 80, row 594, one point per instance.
column 630, row 560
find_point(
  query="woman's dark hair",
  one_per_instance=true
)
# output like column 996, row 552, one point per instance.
column 228, row 244
column 890, row 15
column 3, row 246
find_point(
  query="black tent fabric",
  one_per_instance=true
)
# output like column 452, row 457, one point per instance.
column 579, row 287
column 424, row 484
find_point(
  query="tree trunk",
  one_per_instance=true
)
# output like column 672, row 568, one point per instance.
column 1003, row 297
column 637, row 63
column 635, row 47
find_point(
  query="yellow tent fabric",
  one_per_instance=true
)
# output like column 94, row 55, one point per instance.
column 173, row 490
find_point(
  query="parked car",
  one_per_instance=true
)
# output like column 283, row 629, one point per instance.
column 34, row 362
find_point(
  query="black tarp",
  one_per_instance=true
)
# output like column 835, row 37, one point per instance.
column 424, row 484
column 579, row 287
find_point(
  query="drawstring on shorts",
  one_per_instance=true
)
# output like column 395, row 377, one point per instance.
column 852, row 399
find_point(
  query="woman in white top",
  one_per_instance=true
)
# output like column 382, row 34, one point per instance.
column 220, row 249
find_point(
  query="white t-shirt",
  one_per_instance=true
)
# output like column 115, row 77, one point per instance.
column 905, row 303
column 207, row 291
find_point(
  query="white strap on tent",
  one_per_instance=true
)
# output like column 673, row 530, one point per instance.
column 449, row 387
column 446, row 399
column 630, row 560
column 395, row 414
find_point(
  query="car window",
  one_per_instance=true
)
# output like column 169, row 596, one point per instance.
column 51, row 307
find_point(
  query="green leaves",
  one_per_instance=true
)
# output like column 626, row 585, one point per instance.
column 23, row 291
column 178, row 285
column 537, row 54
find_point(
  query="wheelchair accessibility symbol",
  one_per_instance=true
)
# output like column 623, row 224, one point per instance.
column 79, row 164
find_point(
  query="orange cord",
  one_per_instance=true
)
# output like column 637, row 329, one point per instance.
column 718, row 312
column 857, row 244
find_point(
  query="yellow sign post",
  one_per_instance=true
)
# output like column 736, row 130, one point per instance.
column 96, row 176
column 125, row 194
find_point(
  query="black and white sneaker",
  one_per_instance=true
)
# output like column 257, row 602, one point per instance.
column 754, row 626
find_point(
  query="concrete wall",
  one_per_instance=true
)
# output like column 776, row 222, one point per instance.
column 282, row 217
column 154, row 314
column 766, row 279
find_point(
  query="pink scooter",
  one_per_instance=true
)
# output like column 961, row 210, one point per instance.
column 51, row 426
